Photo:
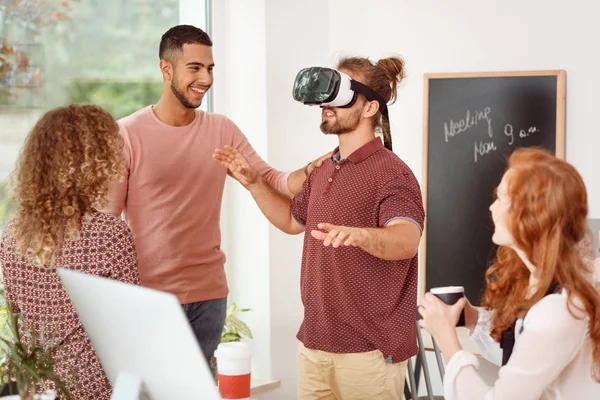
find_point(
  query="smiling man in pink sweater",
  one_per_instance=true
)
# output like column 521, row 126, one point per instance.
column 173, row 188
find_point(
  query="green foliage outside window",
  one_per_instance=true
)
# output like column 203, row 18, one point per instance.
column 118, row 97
column 7, row 205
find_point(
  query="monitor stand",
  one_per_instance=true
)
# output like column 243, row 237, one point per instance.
column 129, row 387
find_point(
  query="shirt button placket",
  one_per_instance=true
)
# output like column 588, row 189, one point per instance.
column 330, row 179
column 337, row 168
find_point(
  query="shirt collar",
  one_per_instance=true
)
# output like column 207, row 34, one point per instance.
column 360, row 154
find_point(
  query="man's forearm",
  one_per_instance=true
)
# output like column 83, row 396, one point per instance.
column 397, row 242
column 274, row 205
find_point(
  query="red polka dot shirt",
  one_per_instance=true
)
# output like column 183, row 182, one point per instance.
column 353, row 301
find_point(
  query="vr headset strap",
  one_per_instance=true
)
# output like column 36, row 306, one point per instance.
column 372, row 95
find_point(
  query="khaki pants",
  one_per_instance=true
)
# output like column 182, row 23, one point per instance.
column 348, row 376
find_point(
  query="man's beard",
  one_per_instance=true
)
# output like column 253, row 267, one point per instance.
column 339, row 127
column 181, row 96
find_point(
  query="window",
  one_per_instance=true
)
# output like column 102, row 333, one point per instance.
column 57, row 52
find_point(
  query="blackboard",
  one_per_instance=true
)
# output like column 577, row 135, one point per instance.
column 472, row 122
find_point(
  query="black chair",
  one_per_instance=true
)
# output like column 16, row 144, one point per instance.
column 412, row 393
column 9, row 389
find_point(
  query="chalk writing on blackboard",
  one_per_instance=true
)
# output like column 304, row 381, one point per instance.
column 509, row 131
column 483, row 147
column 452, row 128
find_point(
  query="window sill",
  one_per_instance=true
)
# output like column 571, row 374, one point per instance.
column 258, row 386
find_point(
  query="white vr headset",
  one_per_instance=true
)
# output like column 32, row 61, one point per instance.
column 328, row 87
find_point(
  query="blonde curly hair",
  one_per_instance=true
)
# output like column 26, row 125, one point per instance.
column 63, row 174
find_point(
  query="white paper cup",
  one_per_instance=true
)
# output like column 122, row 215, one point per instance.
column 233, row 370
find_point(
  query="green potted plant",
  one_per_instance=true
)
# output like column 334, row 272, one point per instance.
column 234, row 328
column 30, row 362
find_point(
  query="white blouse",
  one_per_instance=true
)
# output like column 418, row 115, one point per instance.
column 551, row 359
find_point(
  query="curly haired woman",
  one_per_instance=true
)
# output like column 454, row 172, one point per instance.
column 67, row 163
column 540, row 318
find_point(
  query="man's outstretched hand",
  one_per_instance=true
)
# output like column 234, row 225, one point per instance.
column 238, row 166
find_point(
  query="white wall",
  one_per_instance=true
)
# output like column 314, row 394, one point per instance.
column 240, row 93
column 432, row 36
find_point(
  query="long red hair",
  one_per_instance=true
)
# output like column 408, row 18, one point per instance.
column 547, row 220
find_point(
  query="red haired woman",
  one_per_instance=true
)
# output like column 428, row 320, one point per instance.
column 540, row 303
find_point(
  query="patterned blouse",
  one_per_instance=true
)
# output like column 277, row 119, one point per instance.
column 105, row 248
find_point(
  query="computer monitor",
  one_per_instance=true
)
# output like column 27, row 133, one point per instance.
column 140, row 334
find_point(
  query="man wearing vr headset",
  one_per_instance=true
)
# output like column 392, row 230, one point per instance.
column 363, row 215
column 172, row 191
